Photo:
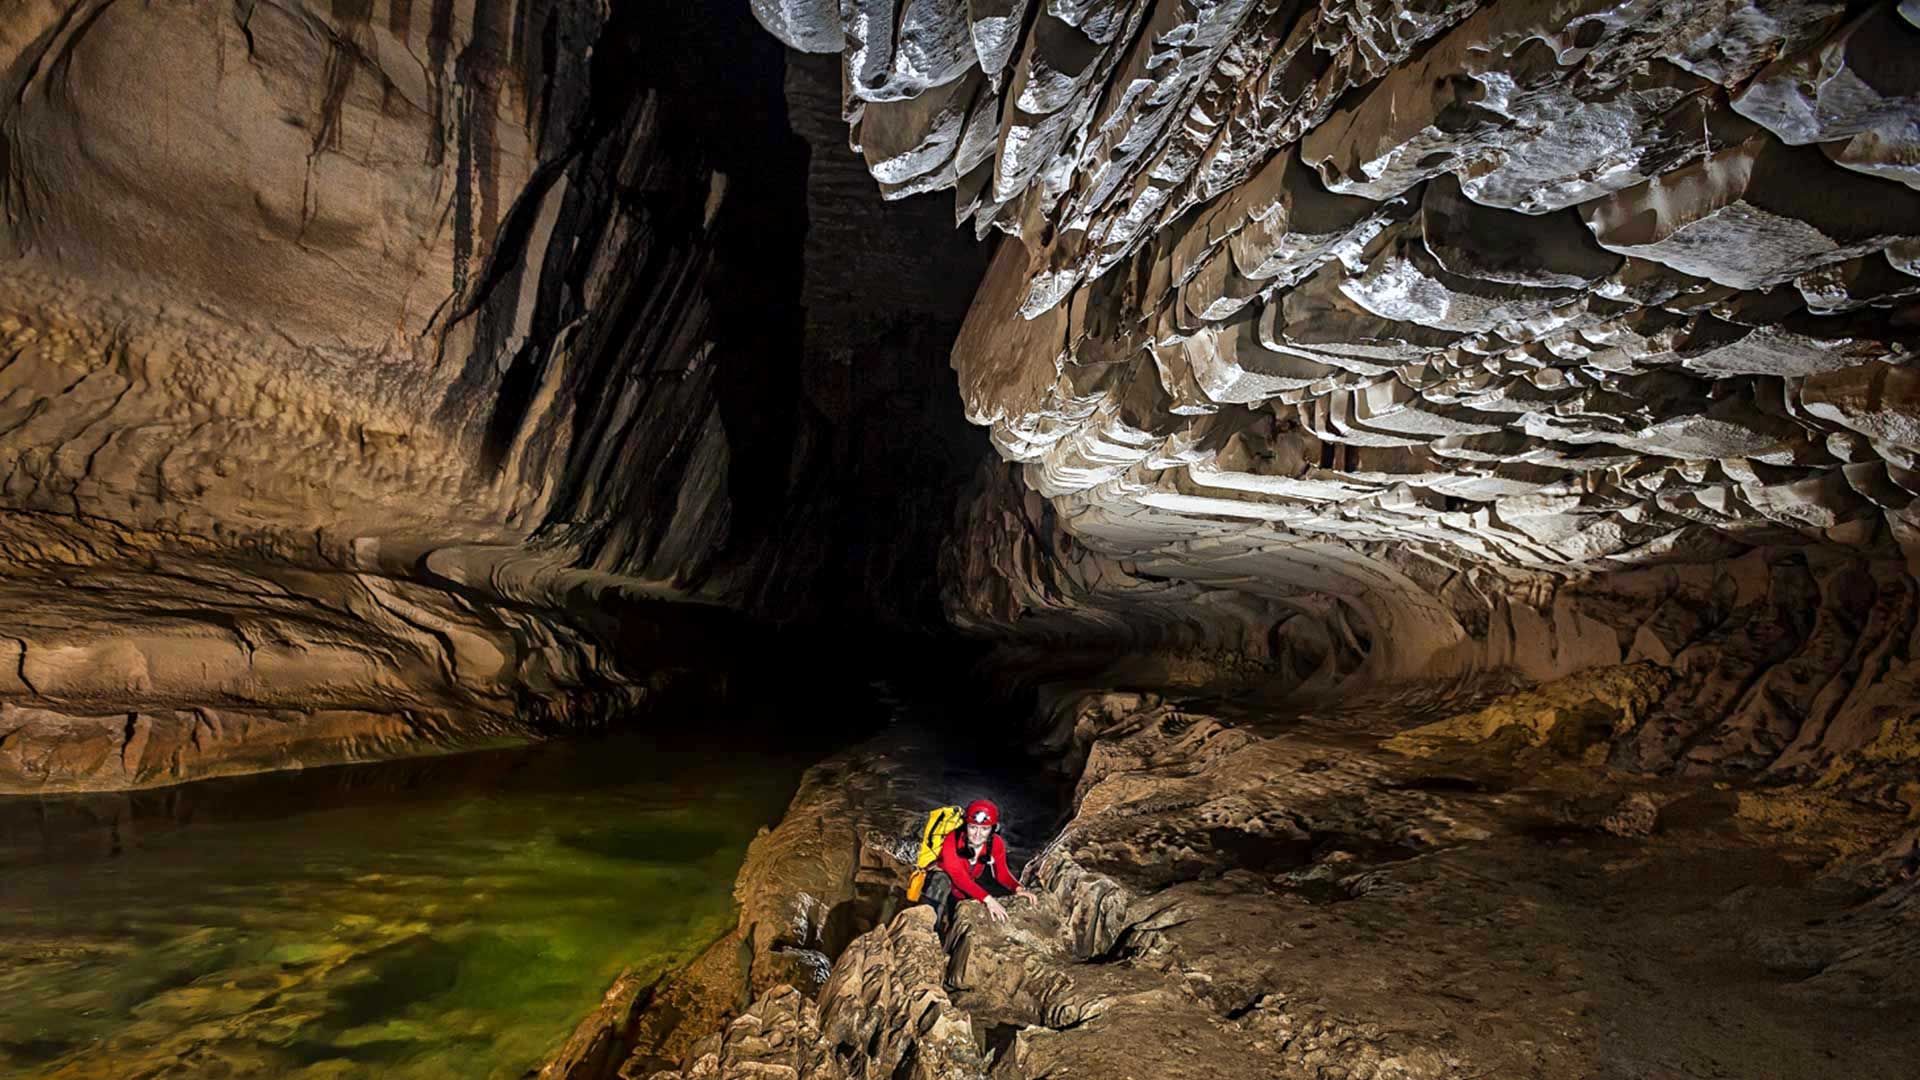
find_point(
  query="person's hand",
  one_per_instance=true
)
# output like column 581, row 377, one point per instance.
column 994, row 909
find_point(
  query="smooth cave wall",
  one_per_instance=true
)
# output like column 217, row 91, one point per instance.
column 447, row 374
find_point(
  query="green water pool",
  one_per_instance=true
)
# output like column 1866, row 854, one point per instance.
column 446, row 918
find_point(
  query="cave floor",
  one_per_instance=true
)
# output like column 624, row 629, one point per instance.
column 1293, row 900
column 1365, row 889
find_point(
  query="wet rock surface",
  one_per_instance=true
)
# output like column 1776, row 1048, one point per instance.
column 777, row 1036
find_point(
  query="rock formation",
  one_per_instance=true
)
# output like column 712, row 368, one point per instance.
column 375, row 370
column 1372, row 342
column 374, row 406
column 1492, row 414
column 1400, row 886
column 1490, row 422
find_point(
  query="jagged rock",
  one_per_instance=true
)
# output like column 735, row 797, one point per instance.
column 1525, row 103
column 1876, row 280
column 776, row 1038
column 1796, row 348
column 1755, row 215
column 1877, row 401
column 1579, row 713
column 1293, row 224
column 884, row 1011
column 1405, row 282
column 1635, row 815
column 1545, row 251
column 1284, row 270
column 1229, row 888
column 602, row 1041
column 1752, row 34
column 1253, row 871
column 810, row 888
column 1856, row 93
column 807, row 25
column 807, row 888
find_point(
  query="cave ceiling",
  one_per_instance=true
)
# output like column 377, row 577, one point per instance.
column 1426, row 306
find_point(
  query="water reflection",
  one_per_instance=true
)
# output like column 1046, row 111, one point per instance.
column 447, row 917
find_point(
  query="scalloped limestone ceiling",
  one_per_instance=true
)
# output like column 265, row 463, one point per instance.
column 1385, row 302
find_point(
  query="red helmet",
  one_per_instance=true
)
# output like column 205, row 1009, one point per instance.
column 982, row 812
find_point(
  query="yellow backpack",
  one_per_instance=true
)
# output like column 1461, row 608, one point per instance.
column 939, row 823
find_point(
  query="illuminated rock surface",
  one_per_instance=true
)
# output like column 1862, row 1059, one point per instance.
column 1495, row 415
column 1339, row 342
column 1347, row 343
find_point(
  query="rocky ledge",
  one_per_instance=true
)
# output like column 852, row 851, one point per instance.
column 1426, row 884
column 810, row 891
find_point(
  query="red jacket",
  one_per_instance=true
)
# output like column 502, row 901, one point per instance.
column 966, row 873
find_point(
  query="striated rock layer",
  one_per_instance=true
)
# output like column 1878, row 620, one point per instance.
column 368, row 372
column 1406, row 340
column 292, row 386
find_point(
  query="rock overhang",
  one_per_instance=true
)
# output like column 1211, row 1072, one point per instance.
column 1346, row 306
